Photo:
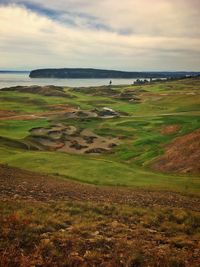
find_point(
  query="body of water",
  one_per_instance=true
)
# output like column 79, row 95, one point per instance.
column 15, row 79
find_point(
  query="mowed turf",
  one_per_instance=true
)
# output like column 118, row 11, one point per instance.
column 18, row 129
column 98, row 171
column 141, row 139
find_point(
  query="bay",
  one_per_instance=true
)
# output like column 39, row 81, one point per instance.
column 18, row 78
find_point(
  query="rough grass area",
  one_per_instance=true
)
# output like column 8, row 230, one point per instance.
column 18, row 129
column 88, row 234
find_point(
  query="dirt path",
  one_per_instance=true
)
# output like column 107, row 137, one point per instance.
column 20, row 184
column 43, row 115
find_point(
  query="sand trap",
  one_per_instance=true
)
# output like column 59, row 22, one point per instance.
column 67, row 138
column 49, row 143
column 89, row 143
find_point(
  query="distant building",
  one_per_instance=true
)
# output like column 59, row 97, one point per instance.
column 140, row 82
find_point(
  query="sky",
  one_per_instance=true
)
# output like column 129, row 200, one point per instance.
column 134, row 35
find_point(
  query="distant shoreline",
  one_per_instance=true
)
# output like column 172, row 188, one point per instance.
column 14, row 71
column 88, row 73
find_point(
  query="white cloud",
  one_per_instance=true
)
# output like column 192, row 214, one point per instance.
column 159, row 36
column 152, row 17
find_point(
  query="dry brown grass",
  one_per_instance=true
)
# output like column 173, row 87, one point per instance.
column 170, row 129
column 182, row 155
column 90, row 234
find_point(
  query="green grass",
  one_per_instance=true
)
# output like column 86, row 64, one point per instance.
column 97, row 170
column 36, row 103
column 19, row 128
column 143, row 140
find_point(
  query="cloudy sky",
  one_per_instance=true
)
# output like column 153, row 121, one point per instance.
column 111, row 34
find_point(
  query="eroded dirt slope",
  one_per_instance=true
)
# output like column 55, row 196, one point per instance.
column 182, row 155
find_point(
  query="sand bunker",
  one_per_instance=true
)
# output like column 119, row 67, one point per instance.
column 69, row 139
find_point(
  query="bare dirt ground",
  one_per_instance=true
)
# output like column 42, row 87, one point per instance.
column 20, row 184
column 182, row 155
column 57, row 110
column 6, row 113
column 170, row 129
